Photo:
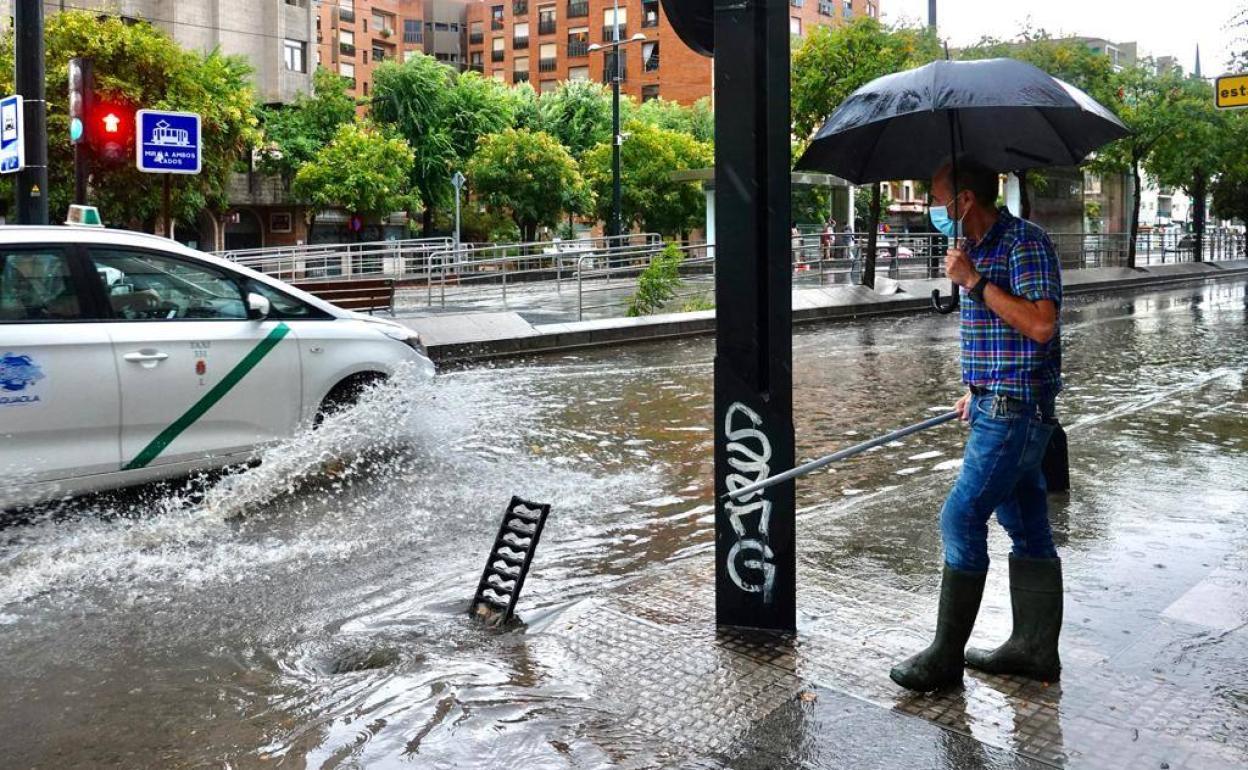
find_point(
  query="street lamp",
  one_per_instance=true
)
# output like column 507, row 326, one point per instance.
column 616, row 225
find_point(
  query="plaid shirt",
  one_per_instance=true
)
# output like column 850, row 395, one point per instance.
column 1018, row 257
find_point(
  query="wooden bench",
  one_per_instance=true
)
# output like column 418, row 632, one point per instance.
column 366, row 294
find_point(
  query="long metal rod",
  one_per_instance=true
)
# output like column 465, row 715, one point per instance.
column 815, row 465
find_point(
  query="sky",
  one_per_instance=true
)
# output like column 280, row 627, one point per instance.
column 1171, row 28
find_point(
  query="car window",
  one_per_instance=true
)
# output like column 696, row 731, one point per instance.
column 145, row 286
column 282, row 306
column 36, row 285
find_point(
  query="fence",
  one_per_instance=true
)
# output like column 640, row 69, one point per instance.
column 401, row 259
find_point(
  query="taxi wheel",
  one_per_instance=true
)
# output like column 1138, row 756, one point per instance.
column 347, row 393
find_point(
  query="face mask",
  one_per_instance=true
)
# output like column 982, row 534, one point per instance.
column 943, row 222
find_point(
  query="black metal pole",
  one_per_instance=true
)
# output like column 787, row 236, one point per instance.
column 755, row 552
column 80, row 174
column 931, row 13
column 32, row 181
column 164, row 206
column 616, row 217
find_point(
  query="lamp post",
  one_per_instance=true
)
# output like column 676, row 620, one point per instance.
column 615, row 226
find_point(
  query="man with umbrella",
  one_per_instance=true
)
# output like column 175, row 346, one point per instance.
column 1012, row 116
column 1011, row 282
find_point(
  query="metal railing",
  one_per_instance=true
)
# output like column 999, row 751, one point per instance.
column 401, row 260
column 577, row 47
column 488, row 272
column 578, row 9
column 609, row 281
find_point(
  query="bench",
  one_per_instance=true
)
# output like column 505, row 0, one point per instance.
column 367, row 294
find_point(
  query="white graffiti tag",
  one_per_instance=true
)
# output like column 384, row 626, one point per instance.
column 748, row 454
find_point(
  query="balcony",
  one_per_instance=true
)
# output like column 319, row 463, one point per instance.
column 546, row 65
column 496, row 55
column 496, row 23
column 546, row 26
column 520, row 42
column 520, row 77
column 578, row 9
column 608, row 72
column 578, row 47
column 346, row 49
column 608, row 33
column 476, row 38
column 519, row 7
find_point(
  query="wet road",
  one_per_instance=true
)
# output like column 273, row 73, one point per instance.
column 287, row 617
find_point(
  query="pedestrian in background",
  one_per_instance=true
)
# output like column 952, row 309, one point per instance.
column 1011, row 287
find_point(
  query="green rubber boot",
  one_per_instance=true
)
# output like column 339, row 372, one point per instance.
column 1031, row 650
column 940, row 665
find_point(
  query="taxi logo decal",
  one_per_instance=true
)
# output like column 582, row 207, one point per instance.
column 218, row 391
column 17, row 373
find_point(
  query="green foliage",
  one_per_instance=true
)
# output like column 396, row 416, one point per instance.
column 649, row 198
column 361, row 170
column 662, row 113
column 578, row 114
column 658, row 283
column 862, row 205
column 830, row 63
column 140, row 66
column 525, row 108
column 529, row 174
column 475, row 107
column 698, row 303
column 1193, row 143
column 294, row 133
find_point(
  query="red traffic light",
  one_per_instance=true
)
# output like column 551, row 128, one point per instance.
column 112, row 123
column 110, row 130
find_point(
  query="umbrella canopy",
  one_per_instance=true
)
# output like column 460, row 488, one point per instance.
column 1006, row 113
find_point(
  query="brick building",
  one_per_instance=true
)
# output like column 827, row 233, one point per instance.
column 546, row 41
column 354, row 36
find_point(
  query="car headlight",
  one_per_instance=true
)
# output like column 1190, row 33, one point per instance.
column 409, row 337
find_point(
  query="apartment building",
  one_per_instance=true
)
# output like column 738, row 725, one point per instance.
column 545, row 41
column 275, row 37
column 354, row 36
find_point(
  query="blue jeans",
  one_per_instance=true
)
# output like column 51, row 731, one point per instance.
column 1001, row 472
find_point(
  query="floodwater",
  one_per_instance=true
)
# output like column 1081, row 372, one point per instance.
column 311, row 611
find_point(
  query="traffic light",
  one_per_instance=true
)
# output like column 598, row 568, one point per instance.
column 110, row 130
column 81, row 93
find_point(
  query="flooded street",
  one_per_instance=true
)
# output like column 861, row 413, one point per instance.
column 311, row 611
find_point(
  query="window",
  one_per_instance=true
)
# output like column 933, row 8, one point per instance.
column 346, row 10
column 578, row 73
column 496, row 17
column 847, row 9
column 522, row 64
column 383, row 24
column 795, row 25
column 295, row 54
column 609, row 71
column 346, row 43
column 520, row 35
column 650, row 13
column 441, row 26
column 519, row 7
column 578, row 41
column 650, row 57
column 873, row 10
column 649, row 92
column 151, row 287
column 797, row 3
column 546, row 20
column 476, row 32
column 578, row 9
column 496, row 52
column 282, row 306
column 379, row 55
column 548, row 86
column 346, row 69
column 36, row 285
column 476, row 61
column 609, row 19
column 826, row 8
column 413, row 31
column 500, row 76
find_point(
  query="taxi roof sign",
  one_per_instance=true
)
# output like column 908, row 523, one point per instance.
column 84, row 216
column 1230, row 92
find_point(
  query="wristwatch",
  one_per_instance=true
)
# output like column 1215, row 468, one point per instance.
column 977, row 292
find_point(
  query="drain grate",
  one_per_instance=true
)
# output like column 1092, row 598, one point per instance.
column 509, row 560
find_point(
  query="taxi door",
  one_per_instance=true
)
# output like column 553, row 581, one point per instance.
column 198, row 378
column 59, row 405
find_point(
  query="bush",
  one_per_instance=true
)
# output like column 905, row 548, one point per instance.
column 658, row 282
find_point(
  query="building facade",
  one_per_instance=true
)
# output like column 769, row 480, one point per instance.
column 543, row 42
column 275, row 37
column 354, row 36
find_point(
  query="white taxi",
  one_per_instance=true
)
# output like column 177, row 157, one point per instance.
column 127, row 358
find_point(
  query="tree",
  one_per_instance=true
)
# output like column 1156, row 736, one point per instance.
column 1145, row 105
column 833, row 62
column 1230, row 190
column 413, row 97
column 525, row 108
column 361, row 171
column 1239, row 55
column 295, row 132
column 578, row 114
column 1190, row 152
column 137, row 65
column 530, row 175
column 476, row 106
column 649, row 198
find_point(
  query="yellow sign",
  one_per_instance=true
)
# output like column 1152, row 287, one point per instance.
column 1231, row 92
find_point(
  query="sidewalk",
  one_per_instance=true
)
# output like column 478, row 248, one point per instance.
column 483, row 335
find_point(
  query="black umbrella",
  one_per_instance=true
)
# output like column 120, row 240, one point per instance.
column 1008, row 114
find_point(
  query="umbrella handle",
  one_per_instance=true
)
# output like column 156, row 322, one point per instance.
column 941, row 307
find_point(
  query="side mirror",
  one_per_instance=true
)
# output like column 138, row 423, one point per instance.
column 258, row 306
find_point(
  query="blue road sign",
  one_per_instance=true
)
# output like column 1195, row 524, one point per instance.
column 12, row 144
column 167, row 142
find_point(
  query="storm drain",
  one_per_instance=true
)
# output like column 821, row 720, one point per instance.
column 508, row 562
